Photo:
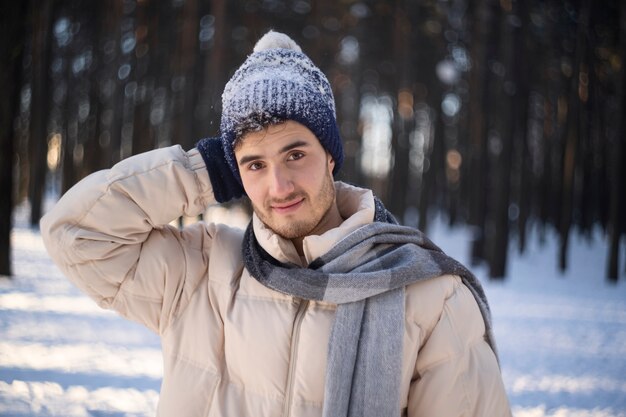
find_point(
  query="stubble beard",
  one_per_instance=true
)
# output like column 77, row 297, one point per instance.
column 304, row 227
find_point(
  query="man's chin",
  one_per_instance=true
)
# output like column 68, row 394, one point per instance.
column 289, row 230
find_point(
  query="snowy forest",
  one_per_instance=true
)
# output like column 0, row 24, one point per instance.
column 504, row 115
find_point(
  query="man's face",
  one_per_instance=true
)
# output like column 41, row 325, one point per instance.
column 287, row 175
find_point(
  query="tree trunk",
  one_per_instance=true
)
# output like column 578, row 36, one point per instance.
column 183, row 65
column 38, row 144
column 504, row 110
column 109, row 124
column 404, row 118
column 69, row 135
column 212, row 70
column 618, row 156
column 94, row 152
column 145, row 67
column 573, row 132
column 482, row 52
column 520, row 115
column 12, row 16
column 117, row 100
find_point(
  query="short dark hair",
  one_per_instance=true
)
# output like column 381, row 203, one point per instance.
column 255, row 122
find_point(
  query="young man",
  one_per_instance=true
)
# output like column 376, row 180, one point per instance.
column 323, row 306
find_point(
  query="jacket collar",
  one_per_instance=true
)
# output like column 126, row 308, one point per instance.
column 356, row 206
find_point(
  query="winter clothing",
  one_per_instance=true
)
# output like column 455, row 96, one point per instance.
column 276, row 80
column 365, row 274
column 225, row 186
column 232, row 346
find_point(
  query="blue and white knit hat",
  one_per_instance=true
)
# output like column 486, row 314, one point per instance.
column 279, row 81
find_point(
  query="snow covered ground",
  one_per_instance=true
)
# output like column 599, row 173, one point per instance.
column 562, row 338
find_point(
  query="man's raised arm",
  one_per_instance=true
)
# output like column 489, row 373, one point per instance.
column 110, row 235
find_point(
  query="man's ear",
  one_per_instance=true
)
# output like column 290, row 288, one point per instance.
column 331, row 161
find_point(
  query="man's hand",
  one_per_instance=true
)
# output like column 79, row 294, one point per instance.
column 225, row 186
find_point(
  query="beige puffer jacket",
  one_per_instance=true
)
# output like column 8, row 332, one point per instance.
column 231, row 346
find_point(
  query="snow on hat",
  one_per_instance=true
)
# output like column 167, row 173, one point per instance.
column 279, row 81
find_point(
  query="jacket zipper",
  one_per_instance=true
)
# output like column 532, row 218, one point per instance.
column 293, row 354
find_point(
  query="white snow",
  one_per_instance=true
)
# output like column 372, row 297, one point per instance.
column 561, row 338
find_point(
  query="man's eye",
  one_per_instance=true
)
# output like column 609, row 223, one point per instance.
column 255, row 166
column 295, row 156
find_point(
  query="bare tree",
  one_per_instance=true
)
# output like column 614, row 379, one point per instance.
column 617, row 225
column 41, row 15
column 11, row 55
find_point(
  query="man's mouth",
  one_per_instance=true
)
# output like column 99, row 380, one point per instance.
column 288, row 207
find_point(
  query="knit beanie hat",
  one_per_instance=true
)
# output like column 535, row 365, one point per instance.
column 276, row 81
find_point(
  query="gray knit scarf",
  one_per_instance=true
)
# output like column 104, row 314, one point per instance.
column 365, row 275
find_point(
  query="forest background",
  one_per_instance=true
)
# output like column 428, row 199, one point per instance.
column 503, row 115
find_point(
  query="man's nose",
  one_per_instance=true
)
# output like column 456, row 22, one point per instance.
column 281, row 183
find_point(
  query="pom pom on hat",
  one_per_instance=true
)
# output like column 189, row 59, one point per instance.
column 276, row 40
column 279, row 80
